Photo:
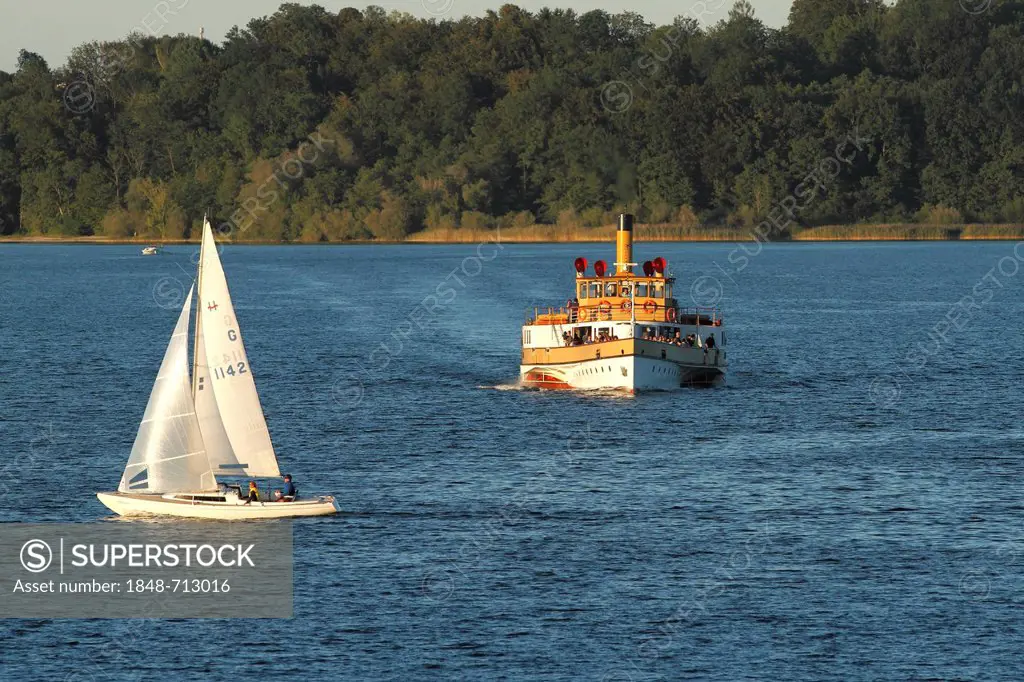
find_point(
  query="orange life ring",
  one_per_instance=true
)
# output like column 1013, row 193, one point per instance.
column 583, row 315
column 650, row 307
column 671, row 314
column 718, row 322
column 605, row 308
column 626, row 305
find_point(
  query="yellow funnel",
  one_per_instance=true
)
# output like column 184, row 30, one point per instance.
column 624, row 245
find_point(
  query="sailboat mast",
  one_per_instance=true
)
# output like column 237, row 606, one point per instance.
column 199, row 311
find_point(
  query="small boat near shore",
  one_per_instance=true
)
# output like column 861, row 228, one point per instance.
column 623, row 331
column 208, row 426
column 150, row 250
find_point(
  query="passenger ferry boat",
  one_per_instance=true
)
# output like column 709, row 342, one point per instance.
column 623, row 330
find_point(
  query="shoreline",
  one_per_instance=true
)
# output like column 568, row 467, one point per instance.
column 554, row 234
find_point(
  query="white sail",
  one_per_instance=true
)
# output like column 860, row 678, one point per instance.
column 168, row 454
column 215, row 438
column 230, row 376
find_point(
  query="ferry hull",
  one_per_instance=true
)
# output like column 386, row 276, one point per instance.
column 626, row 373
column 127, row 504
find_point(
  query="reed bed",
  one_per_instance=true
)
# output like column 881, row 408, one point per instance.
column 993, row 232
column 665, row 232
column 883, row 232
column 576, row 233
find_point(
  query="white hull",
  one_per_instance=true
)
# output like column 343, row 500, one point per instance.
column 626, row 373
column 127, row 504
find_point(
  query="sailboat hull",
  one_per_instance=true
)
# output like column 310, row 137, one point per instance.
column 127, row 504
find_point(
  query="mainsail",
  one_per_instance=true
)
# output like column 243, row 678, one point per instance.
column 234, row 426
column 168, row 454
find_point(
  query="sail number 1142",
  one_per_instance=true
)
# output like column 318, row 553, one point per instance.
column 230, row 370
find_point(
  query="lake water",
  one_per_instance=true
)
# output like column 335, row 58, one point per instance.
column 848, row 506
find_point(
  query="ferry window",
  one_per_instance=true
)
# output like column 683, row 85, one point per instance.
column 624, row 291
column 668, row 290
column 595, row 290
column 609, row 289
column 641, row 290
column 583, row 291
column 657, row 291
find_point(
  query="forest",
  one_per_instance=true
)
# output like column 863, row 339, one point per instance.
column 310, row 125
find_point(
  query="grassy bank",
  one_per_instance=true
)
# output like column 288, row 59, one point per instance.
column 699, row 233
column 643, row 233
column 562, row 233
column 908, row 232
column 877, row 233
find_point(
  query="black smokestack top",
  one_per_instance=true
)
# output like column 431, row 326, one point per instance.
column 625, row 222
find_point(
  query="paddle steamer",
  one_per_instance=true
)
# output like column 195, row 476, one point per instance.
column 622, row 330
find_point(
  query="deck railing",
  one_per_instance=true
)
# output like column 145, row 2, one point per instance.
column 608, row 312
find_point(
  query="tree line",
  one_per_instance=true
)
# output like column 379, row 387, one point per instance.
column 310, row 125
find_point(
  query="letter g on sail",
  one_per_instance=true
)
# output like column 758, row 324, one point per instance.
column 232, row 334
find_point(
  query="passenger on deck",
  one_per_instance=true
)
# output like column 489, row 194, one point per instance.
column 573, row 306
column 679, row 338
column 710, row 341
column 566, row 339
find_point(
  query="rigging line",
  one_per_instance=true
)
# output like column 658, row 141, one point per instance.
column 186, row 272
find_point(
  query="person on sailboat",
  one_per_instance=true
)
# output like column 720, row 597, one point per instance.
column 254, row 493
column 289, row 489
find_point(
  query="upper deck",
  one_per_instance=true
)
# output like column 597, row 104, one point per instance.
column 623, row 295
column 650, row 311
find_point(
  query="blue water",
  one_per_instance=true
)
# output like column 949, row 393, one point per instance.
column 847, row 507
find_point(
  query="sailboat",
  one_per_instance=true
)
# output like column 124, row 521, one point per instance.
column 208, row 426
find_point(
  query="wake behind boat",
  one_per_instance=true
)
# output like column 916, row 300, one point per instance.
column 211, row 425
